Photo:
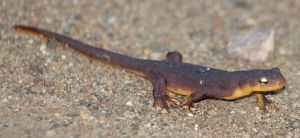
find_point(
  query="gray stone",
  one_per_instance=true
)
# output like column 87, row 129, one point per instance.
column 254, row 45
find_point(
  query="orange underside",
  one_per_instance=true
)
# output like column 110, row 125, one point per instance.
column 241, row 92
column 180, row 91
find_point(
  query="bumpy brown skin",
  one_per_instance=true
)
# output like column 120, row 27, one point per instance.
column 194, row 81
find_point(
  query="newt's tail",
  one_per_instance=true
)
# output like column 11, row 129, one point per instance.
column 133, row 65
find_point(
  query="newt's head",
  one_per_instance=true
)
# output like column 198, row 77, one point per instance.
column 263, row 80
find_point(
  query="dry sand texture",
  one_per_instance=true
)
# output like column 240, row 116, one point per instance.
column 56, row 92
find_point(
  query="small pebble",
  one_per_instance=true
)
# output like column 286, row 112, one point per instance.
column 196, row 127
column 3, row 126
column 57, row 115
column 50, row 133
column 43, row 49
column 84, row 113
column 155, row 56
column 48, row 20
column 247, row 135
column 150, row 125
column 5, row 100
column 77, row 16
column 85, row 102
column 52, row 43
column 164, row 111
column 71, row 64
column 16, row 109
column 241, row 3
column 129, row 103
column 63, row 57
column 112, row 19
column 30, row 41
column 254, row 129
column 99, row 113
column 295, row 124
column 94, row 99
column 49, row 82
column 66, row 28
column 242, row 112
column 257, row 109
column 190, row 115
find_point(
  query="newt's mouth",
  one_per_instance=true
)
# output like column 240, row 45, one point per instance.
column 275, row 91
column 281, row 89
column 279, row 86
column 282, row 84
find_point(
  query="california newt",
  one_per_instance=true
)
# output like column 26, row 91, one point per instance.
column 194, row 81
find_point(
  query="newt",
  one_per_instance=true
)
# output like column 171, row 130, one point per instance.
column 196, row 82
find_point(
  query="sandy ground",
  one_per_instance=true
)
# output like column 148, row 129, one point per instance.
column 52, row 91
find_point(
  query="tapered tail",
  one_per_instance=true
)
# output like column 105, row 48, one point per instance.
column 133, row 65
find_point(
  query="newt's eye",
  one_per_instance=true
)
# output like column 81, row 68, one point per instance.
column 263, row 81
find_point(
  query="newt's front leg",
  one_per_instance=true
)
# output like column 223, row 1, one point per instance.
column 195, row 97
column 263, row 102
column 161, row 98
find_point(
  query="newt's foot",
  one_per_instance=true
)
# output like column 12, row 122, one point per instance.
column 269, row 107
column 187, row 106
column 264, row 104
column 163, row 102
column 195, row 97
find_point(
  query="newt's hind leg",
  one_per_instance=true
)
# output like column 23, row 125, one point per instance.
column 161, row 98
column 191, row 99
column 174, row 56
column 263, row 102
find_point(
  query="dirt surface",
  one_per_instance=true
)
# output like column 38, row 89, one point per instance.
column 52, row 91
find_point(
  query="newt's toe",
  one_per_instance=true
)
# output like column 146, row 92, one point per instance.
column 270, row 107
column 174, row 102
column 187, row 106
column 267, row 106
column 161, row 103
column 165, row 101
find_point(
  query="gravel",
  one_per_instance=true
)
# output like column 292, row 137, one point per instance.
column 53, row 91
